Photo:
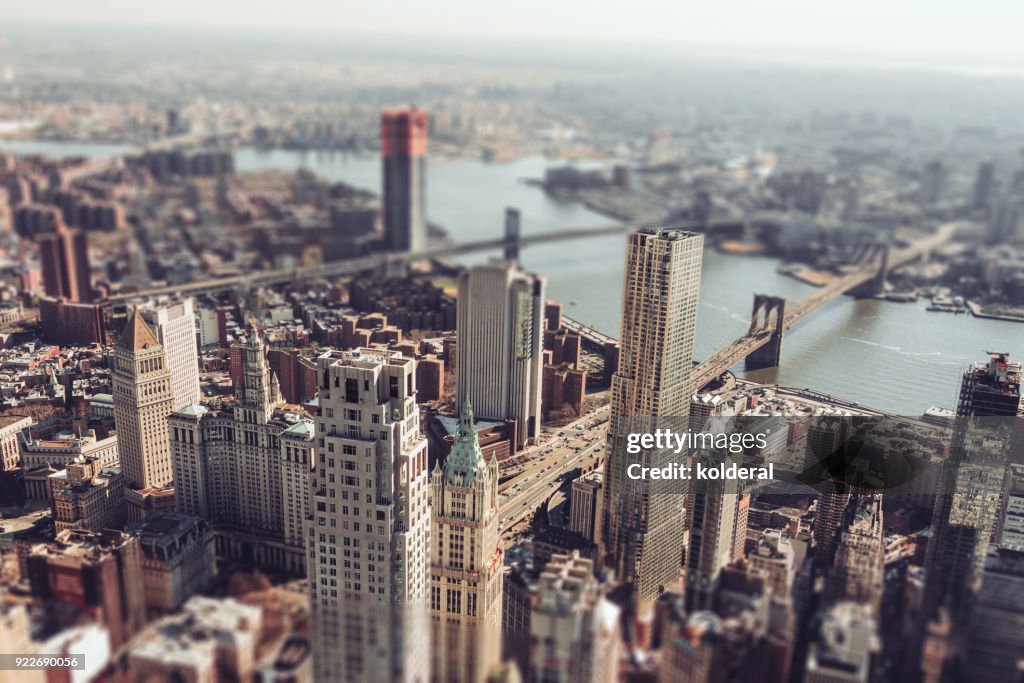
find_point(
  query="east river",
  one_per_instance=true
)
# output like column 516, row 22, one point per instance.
column 892, row 356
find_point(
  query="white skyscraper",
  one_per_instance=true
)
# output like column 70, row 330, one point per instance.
column 175, row 327
column 574, row 629
column 369, row 540
column 500, row 355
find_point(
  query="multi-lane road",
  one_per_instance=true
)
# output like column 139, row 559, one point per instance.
column 578, row 445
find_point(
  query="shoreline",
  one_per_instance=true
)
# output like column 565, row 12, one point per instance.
column 978, row 312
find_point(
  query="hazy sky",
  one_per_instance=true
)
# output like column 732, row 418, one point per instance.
column 950, row 32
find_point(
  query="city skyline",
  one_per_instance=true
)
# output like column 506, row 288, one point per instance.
column 418, row 361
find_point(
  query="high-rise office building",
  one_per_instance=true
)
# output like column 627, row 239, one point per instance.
column 984, row 184
column 245, row 467
column 967, row 511
column 824, row 464
column 713, row 531
column 933, row 182
column 466, row 561
column 643, row 519
column 403, row 142
column 830, row 512
column 857, row 573
column 1005, row 220
column 775, row 557
column 369, row 555
column 143, row 399
column 500, row 332
column 574, row 629
column 846, row 646
column 175, row 327
column 995, row 639
column 1011, row 518
column 991, row 389
column 65, row 261
column 585, row 507
column 967, row 525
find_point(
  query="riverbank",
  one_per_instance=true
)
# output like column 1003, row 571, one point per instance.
column 978, row 312
column 807, row 275
column 742, row 248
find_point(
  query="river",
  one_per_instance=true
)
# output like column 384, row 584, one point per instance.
column 896, row 357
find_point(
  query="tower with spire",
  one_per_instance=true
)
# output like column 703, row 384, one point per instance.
column 143, row 400
column 466, row 560
column 257, row 390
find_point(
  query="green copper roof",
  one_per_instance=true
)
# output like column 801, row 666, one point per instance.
column 466, row 461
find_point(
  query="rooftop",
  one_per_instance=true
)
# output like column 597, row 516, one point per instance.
column 137, row 335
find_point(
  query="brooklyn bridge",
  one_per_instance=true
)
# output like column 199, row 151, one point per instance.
column 761, row 347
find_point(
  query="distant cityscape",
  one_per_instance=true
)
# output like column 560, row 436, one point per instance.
column 259, row 424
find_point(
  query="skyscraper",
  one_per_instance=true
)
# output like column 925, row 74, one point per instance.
column 846, row 646
column 984, row 184
column 245, row 468
column 775, row 557
column 65, row 261
column 1011, row 516
column 175, row 327
column 967, row 511
column 585, row 507
column 991, row 389
column 403, row 143
column 574, row 629
column 142, row 401
column 369, row 563
column 713, row 531
column 933, row 182
column 1004, row 223
column 500, row 332
column 830, row 512
column 995, row 639
column 857, row 572
column 466, row 562
column 643, row 519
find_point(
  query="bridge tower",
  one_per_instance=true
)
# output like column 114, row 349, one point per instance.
column 768, row 315
column 512, row 231
column 876, row 285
